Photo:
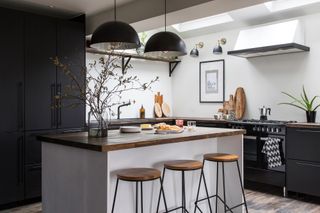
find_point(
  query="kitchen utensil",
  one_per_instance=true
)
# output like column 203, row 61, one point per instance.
column 240, row 103
column 130, row 129
column 264, row 113
column 165, row 109
column 157, row 110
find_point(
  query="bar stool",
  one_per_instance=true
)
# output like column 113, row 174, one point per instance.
column 182, row 166
column 220, row 158
column 138, row 175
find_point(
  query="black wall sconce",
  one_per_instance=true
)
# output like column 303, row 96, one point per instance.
column 217, row 50
column 195, row 52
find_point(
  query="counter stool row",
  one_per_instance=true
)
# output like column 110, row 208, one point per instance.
column 141, row 175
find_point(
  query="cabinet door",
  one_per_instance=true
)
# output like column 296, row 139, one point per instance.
column 33, row 181
column 40, row 73
column 11, row 167
column 11, row 70
column 71, row 51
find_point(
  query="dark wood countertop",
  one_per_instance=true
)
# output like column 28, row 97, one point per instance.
column 119, row 141
column 304, row 125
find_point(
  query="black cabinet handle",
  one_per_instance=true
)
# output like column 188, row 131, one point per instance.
column 308, row 164
column 59, row 92
column 20, row 160
column 53, row 105
column 308, row 131
column 35, row 167
column 20, row 106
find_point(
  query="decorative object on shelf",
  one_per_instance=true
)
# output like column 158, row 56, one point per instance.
column 115, row 35
column 142, row 112
column 165, row 109
column 212, row 77
column 240, row 103
column 140, row 50
column 264, row 112
column 195, row 52
column 306, row 104
column 165, row 44
column 157, row 110
column 218, row 49
column 102, row 92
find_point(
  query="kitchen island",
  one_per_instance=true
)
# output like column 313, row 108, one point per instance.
column 79, row 173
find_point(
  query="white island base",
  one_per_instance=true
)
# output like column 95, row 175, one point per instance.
column 76, row 180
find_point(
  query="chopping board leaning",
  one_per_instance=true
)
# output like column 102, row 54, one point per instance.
column 240, row 103
column 157, row 110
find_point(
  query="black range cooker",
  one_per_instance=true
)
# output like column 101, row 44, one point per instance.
column 255, row 162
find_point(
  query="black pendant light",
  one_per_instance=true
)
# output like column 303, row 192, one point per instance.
column 165, row 44
column 115, row 35
column 217, row 50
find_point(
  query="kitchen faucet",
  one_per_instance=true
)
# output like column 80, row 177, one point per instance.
column 122, row 105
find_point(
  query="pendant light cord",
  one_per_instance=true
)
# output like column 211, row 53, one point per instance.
column 165, row 15
column 115, row 10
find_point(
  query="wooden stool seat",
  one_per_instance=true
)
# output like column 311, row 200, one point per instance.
column 138, row 174
column 221, row 157
column 183, row 165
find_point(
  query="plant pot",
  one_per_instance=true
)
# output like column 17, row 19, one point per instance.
column 311, row 116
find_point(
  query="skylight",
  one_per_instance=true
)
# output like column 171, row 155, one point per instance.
column 203, row 22
column 275, row 6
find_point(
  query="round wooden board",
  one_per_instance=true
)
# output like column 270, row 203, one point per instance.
column 165, row 109
column 157, row 110
column 240, row 103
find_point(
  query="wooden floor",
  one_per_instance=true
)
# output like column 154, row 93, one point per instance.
column 258, row 202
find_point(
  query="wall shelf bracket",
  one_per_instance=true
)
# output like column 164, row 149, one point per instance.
column 125, row 63
column 172, row 66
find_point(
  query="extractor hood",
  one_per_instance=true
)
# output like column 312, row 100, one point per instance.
column 275, row 39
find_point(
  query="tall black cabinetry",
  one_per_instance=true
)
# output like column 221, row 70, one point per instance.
column 29, row 85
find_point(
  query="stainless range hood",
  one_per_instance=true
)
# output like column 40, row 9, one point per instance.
column 281, row 38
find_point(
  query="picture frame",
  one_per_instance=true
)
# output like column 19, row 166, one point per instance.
column 212, row 81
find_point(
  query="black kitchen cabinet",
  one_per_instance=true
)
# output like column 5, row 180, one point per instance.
column 11, row 166
column 40, row 73
column 11, row 107
column 303, row 160
column 73, row 55
column 29, row 86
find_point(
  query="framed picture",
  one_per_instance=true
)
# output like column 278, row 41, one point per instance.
column 212, row 77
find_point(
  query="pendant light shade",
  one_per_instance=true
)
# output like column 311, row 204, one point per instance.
column 115, row 35
column 165, row 44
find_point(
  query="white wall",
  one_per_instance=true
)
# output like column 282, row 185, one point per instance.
column 262, row 78
column 146, row 71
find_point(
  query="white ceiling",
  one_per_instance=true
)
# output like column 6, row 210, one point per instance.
column 63, row 8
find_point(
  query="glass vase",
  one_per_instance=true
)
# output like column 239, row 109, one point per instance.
column 98, row 125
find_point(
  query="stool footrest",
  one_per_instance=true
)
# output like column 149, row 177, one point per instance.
column 212, row 196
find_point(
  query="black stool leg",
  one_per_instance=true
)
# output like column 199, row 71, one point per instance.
column 183, row 193
column 115, row 195
column 217, row 187
column 243, row 194
column 206, row 188
column 198, row 192
column 141, row 192
column 224, row 188
column 136, row 197
column 162, row 192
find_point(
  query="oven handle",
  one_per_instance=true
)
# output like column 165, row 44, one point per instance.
column 250, row 137
column 272, row 136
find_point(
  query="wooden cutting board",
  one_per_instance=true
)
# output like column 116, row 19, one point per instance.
column 165, row 109
column 240, row 103
column 157, row 110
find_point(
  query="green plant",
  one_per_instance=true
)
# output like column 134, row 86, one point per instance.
column 304, row 103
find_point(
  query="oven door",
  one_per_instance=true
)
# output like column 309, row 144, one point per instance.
column 250, row 151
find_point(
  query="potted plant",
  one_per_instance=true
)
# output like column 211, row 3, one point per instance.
column 105, row 83
column 305, row 104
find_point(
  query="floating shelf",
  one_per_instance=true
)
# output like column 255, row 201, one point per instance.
column 126, row 57
column 270, row 50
